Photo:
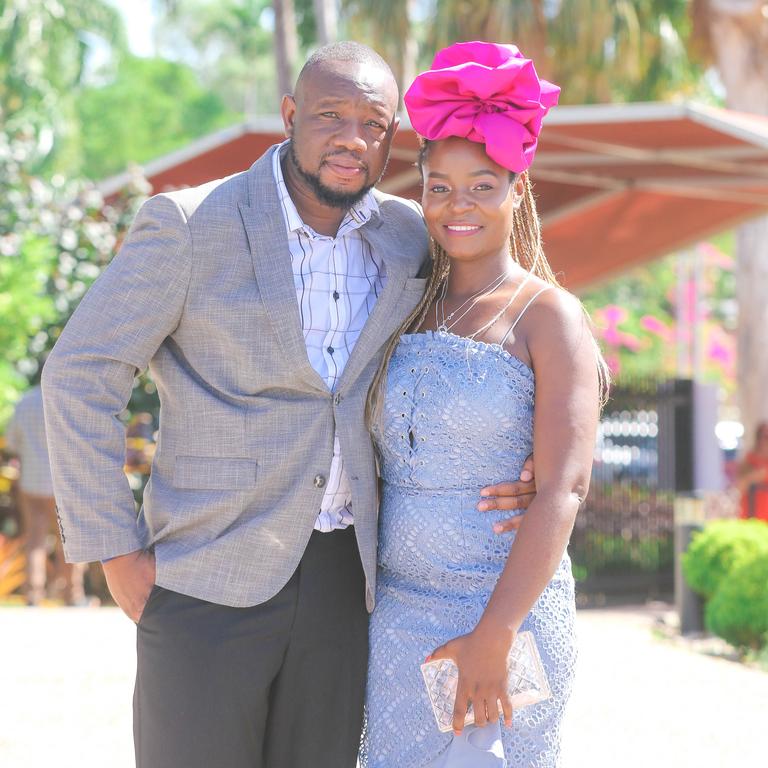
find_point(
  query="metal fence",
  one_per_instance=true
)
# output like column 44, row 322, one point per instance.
column 622, row 544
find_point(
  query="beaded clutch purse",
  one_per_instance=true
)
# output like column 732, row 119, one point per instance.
column 527, row 681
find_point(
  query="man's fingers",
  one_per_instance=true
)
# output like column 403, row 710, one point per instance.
column 506, row 502
column 526, row 473
column 510, row 524
column 517, row 488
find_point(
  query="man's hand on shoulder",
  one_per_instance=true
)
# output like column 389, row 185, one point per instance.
column 510, row 495
column 130, row 579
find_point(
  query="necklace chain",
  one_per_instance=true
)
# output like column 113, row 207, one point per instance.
column 443, row 321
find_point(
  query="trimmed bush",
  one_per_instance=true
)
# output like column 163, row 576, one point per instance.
column 738, row 612
column 719, row 548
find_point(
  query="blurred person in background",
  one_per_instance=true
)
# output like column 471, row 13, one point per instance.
column 752, row 479
column 25, row 437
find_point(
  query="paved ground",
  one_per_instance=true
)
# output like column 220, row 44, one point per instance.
column 66, row 683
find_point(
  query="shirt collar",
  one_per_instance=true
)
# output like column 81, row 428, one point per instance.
column 360, row 213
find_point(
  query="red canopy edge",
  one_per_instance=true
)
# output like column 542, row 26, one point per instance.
column 617, row 185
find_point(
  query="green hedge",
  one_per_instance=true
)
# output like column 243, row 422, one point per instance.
column 727, row 563
column 739, row 610
column 719, row 548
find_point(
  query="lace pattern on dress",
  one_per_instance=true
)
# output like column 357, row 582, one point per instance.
column 458, row 415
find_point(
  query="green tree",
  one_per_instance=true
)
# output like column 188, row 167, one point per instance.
column 55, row 237
column 44, row 47
column 54, row 234
column 247, row 51
column 389, row 28
column 231, row 49
column 152, row 106
column 596, row 50
column 27, row 253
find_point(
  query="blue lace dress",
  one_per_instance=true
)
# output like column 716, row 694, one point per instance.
column 458, row 415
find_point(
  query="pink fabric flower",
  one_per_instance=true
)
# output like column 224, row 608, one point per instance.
column 485, row 92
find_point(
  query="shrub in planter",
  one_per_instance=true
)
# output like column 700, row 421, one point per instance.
column 719, row 548
column 738, row 612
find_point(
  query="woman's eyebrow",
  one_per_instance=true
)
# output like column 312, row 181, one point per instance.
column 482, row 172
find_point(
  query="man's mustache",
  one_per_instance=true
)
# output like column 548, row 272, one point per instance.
column 346, row 155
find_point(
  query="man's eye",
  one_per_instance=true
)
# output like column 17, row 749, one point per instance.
column 329, row 114
column 438, row 188
column 377, row 125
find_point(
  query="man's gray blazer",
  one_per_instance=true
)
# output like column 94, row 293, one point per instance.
column 202, row 292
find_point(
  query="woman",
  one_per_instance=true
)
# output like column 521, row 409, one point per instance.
column 453, row 409
column 752, row 478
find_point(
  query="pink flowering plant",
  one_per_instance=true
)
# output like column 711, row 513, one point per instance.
column 649, row 320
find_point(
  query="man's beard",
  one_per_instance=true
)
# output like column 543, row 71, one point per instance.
column 326, row 195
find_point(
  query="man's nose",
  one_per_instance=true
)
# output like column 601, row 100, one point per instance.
column 349, row 136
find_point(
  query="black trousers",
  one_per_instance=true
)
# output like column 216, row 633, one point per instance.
column 276, row 685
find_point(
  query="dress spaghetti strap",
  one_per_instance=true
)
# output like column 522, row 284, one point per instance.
column 522, row 312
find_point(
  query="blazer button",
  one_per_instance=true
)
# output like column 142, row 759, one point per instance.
column 319, row 481
column 337, row 398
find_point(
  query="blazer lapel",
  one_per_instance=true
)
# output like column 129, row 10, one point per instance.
column 265, row 226
column 399, row 298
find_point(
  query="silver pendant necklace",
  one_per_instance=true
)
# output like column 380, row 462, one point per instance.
column 443, row 322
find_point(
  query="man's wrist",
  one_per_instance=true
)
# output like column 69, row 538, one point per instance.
column 135, row 552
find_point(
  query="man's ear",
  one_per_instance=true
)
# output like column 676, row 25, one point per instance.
column 288, row 113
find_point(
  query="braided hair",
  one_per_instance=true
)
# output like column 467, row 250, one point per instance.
column 526, row 248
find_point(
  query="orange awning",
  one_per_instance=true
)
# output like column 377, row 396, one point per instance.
column 617, row 185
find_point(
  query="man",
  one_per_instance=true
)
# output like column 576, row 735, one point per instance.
column 261, row 303
column 25, row 437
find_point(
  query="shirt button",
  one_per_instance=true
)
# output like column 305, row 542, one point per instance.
column 319, row 481
column 336, row 296
column 331, row 350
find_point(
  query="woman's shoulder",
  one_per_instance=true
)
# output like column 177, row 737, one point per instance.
column 555, row 328
column 549, row 304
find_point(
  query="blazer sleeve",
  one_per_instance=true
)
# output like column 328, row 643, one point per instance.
column 87, row 380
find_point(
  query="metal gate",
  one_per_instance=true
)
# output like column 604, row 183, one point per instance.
column 622, row 543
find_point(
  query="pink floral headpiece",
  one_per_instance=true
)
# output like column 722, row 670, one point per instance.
column 485, row 92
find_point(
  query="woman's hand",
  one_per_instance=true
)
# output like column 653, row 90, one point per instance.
column 481, row 657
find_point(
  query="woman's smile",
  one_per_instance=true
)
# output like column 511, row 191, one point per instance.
column 462, row 230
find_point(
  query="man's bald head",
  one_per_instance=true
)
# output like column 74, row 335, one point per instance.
column 335, row 55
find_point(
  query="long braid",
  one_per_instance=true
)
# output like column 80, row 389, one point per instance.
column 526, row 242
column 528, row 251
column 526, row 248
column 438, row 274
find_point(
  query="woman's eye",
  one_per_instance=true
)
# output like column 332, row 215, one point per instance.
column 483, row 187
column 438, row 188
